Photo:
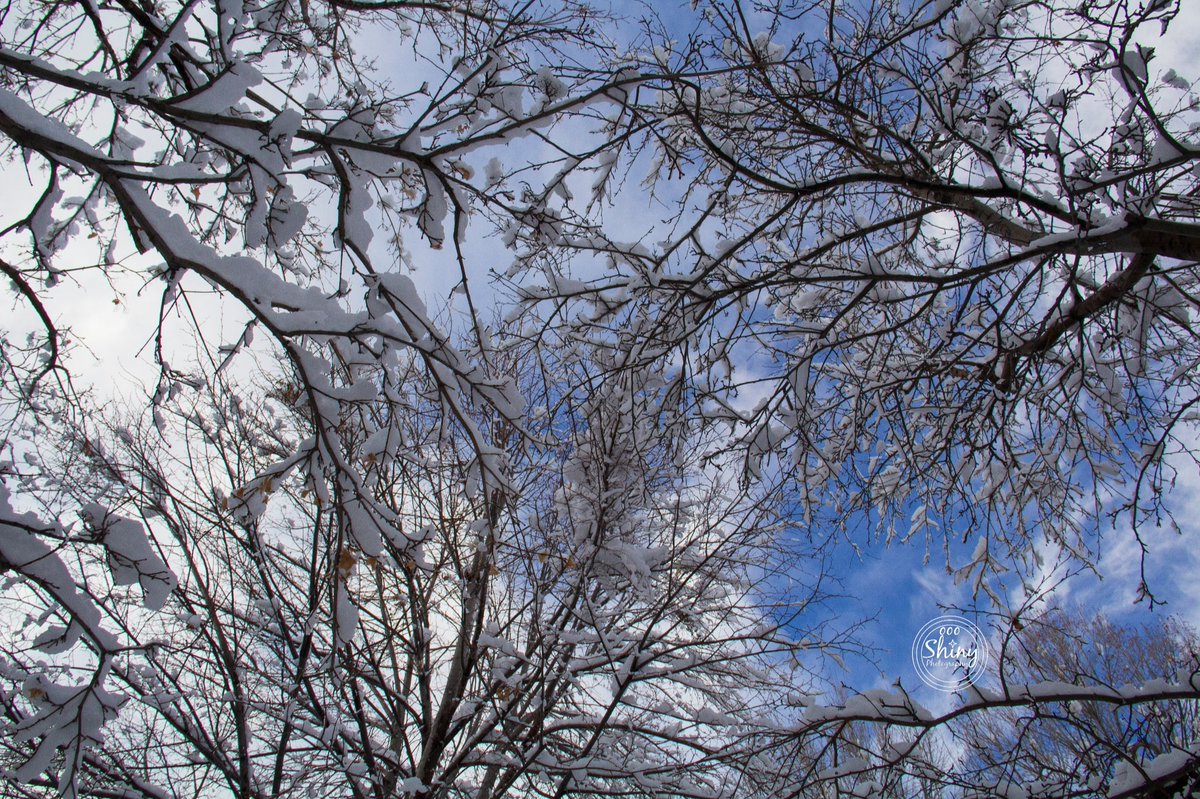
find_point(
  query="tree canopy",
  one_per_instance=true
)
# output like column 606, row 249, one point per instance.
column 496, row 384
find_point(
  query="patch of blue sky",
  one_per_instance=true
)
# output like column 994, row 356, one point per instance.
column 896, row 586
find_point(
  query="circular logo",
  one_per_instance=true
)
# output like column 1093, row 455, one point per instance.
column 949, row 653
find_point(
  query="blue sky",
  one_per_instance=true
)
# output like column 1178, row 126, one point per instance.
column 891, row 585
